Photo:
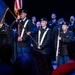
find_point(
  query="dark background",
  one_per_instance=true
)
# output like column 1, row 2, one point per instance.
column 44, row 8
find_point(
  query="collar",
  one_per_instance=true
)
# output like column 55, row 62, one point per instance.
column 54, row 20
column 44, row 27
column 24, row 19
column 33, row 23
column 65, row 31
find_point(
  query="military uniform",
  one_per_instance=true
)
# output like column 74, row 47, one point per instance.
column 26, row 39
column 52, row 24
column 42, row 55
column 66, row 38
column 25, row 26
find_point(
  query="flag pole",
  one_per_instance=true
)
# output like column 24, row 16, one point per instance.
column 12, row 13
column 4, row 15
column 57, row 51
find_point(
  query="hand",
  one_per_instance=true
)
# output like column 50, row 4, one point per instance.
column 31, row 45
column 59, row 38
column 39, row 47
column 18, row 18
column 28, row 33
column 19, row 39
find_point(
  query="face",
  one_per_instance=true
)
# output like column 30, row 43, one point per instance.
column 53, row 16
column 43, row 23
column 64, row 27
column 72, row 18
column 23, row 15
column 38, row 24
column 34, row 19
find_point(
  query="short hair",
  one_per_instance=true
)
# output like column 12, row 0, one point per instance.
column 72, row 17
column 44, row 19
column 33, row 17
column 65, row 23
column 24, row 11
column 53, row 14
column 61, row 20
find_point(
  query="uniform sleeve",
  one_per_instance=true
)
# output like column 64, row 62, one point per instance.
column 14, row 24
column 68, row 38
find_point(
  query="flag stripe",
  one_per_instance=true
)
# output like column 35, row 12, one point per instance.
column 18, row 5
column 21, row 3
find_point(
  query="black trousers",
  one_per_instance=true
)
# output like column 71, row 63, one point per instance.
column 43, row 62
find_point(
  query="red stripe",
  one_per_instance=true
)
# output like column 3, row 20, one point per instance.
column 18, row 5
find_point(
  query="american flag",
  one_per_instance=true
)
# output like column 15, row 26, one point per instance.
column 18, row 4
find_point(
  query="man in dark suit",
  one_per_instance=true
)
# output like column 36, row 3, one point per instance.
column 53, row 22
column 24, row 26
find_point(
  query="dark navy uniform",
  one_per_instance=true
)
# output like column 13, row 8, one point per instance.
column 42, row 55
column 26, row 39
column 46, row 43
column 24, row 26
column 66, row 38
column 52, row 24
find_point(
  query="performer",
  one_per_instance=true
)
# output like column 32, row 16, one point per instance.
column 42, row 50
column 53, row 22
column 14, row 27
column 65, row 38
column 69, row 67
column 25, row 25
